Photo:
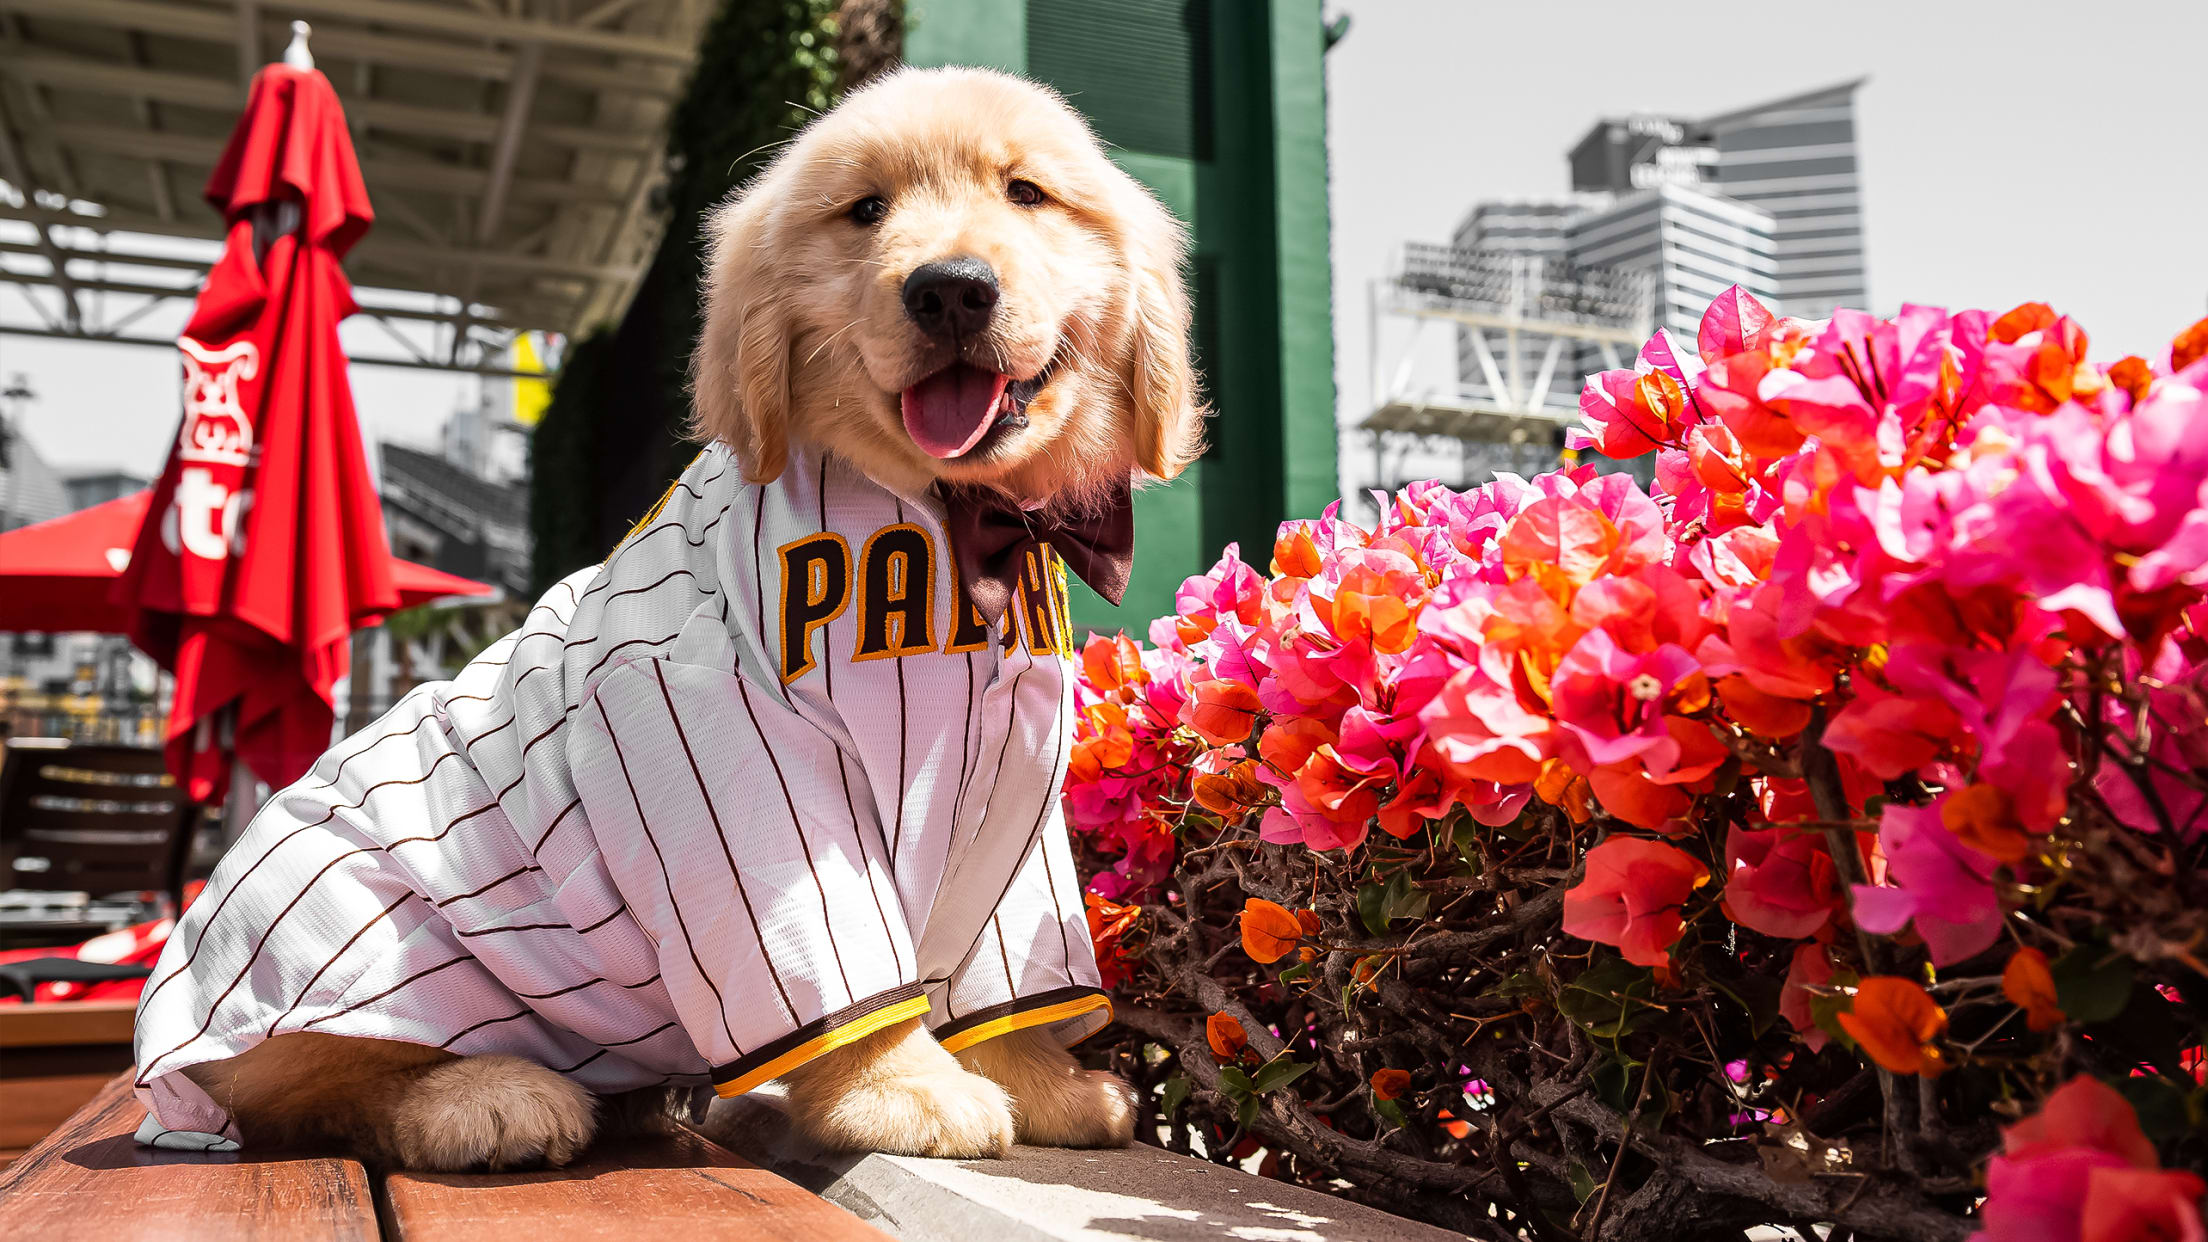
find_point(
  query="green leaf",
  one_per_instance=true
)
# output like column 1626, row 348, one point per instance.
column 1610, row 1000
column 1521, row 985
column 1825, row 1010
column 1301, row 970
column 2160, row 1105
column 1613, row 1082
column 1757, row 996
column 1278, row 1073
column 1372, row 908
column 1390, row 1111
column 1246, row 1112
column 1234, row 1084
column 2092, row 983
column 1405, row 899
column 1467, row 840
column 1176, row 1094
column 1583, row 1182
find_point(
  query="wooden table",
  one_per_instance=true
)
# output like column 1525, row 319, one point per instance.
column 90, row 1182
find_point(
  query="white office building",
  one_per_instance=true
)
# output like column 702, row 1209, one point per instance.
column 1696, row 244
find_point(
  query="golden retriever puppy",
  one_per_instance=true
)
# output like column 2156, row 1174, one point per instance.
column 941, row 288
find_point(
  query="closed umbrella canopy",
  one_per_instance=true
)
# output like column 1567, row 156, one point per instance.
column 263, row 546
column 60, row 574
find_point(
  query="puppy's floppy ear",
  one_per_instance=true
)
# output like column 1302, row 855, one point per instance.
column 740, row 372
column 1161, row 382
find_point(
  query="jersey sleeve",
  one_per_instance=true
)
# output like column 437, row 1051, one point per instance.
column 1033, row 964
column 779, row 936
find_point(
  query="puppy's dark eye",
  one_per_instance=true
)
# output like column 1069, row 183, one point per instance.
column 1025, row 193
column 870, row 210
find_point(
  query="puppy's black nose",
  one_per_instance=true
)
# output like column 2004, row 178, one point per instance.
column 951, row 297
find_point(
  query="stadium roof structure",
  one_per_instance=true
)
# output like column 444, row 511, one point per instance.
column 511, row 149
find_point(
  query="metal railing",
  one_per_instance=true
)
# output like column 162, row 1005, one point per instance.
column 1529, row 287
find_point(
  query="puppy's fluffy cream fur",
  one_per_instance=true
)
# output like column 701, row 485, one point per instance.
column 806, row 338
column 805, row 331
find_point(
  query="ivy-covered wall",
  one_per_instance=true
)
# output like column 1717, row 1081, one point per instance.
column 612, row 437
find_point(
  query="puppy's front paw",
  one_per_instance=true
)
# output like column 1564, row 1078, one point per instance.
column 947, row 1112
column 493, row 1113
column 1058, row 1103
column 1088, row 1108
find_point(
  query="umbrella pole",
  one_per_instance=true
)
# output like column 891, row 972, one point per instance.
column 244, row 797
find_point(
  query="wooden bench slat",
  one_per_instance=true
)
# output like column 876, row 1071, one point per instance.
column 680, row 1186
column 89, row 1181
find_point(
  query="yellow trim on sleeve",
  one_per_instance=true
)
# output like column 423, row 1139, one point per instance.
column 825, row 1042
column 1046, row 1016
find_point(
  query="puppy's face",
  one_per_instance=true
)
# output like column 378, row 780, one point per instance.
column 945, row 279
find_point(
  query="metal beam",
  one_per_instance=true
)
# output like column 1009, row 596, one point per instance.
column 433, row 18
column 17, row 171
column 378, row 171
column 216, row 26
column 375, row 247
column 219, row 94
column 248, row 22
column 154, row 342
column 521, row 94
column 604, row 13
column 192, row 291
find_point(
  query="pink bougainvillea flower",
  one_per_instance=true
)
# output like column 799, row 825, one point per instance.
column 1891, row 736
column 1612, row 702
column 1779, row 881
column 1941, row 885
column 1811, row 967
column 2080, row 1170
column 1735, row 323
column 1630, row 413
column 1631, row 897
column 1485, row 730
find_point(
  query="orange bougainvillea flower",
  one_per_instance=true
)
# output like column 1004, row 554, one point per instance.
column 1896, row 1021
column 1222, row 711
column 1295, row 555
column 2030, row 986
column 1388, row 1084
column 2134, row 375
column 1983, row 817
column 1113, row 664
column 1269, row 931
column 2190, row 346
column 1229, row 794
column 1308, row 920
column 1226, row 1036
column 1109, row 923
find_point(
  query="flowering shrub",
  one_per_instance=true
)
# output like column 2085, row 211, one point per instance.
column 1816, row 839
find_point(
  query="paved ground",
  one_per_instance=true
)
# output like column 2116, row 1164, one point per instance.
column 1054, row 1195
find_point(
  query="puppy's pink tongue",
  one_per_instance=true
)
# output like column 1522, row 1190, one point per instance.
column 949, row 412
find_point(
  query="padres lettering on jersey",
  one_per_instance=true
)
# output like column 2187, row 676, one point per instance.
column 757, row 786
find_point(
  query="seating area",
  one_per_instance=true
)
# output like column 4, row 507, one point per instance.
column 92, row 838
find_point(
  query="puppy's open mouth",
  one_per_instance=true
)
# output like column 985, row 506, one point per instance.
column 951, row 412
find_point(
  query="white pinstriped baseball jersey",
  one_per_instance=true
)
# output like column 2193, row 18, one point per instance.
column 760, row 784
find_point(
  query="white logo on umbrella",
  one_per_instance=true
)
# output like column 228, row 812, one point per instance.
column 203, row 516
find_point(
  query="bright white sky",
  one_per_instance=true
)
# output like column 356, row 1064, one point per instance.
column 2037, row 150
column 2014, row 152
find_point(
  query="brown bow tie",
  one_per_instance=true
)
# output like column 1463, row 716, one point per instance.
column 990, row 534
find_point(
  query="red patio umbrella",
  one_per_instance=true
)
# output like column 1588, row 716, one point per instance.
column 263, row 548
column 60, row 574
